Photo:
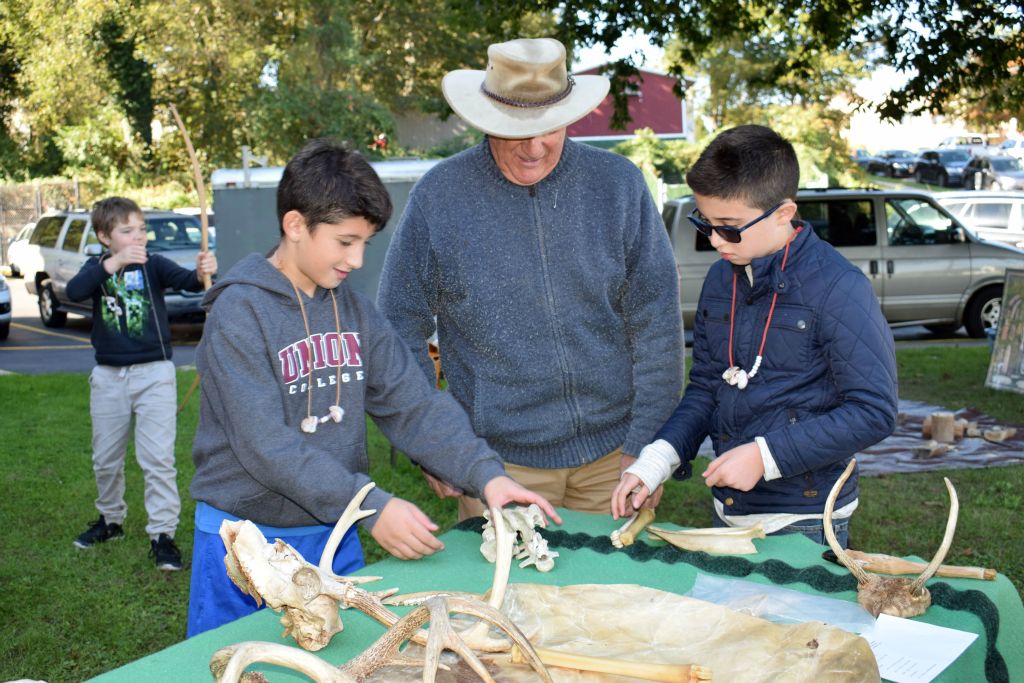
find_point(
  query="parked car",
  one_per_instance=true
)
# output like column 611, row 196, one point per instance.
column 925, row 267
column 943, row 167
column 973, row 143
column 994, row 173
column 997, row 216
column 16, row 249
column 5, row 308
column 895, row 163
column 1013, row 147
column 62, row 242
column 861, row 158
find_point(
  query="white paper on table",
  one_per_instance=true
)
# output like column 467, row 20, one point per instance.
column 913, row 651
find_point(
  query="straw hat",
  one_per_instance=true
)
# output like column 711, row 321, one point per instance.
column 525, row 91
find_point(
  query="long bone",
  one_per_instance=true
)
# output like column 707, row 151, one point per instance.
column 228, row 664
column 898, row 597
column 630, row 530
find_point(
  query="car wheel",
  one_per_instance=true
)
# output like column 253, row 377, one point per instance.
column 919, row 177
column 943, row 180
column 49, row 312
column 983, row 311
column 5, row 329
column 16, row 271
column 945, row 330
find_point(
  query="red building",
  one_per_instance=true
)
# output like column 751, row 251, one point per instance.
column 652, row 104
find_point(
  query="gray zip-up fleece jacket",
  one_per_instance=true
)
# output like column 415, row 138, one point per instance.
column 556, row 305
column 252, row 459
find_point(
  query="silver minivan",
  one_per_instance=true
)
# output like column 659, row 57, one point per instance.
column 996, row 216
column 61, row 243
column 926, row 269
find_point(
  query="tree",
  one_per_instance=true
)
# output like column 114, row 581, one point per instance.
column 946, row 48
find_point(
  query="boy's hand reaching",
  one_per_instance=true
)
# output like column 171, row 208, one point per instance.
column 206, row 263
column 739, row 468
column 502, row 490
column 630, row 485
column 405, row 531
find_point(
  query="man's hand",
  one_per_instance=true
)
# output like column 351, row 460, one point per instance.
column 125, row 257
column 206, row 263
column 440, row 487
column 502, row 490
column 404, row 531
column 739, row 468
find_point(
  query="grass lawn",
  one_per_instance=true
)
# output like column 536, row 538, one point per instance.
column 75, row 614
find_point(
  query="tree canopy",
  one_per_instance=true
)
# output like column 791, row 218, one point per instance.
column 954, row 52
column 83, row 81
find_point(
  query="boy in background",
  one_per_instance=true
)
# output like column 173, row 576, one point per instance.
column 292, row 361
column 134, row 375
column 794, row 367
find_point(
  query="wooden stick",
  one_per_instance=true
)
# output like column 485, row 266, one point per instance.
column 887, row 564
column 666, row 673
column 197, row 175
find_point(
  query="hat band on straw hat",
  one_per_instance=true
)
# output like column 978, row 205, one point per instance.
column 530, row 105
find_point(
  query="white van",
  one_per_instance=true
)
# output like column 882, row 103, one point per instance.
column 995, row 216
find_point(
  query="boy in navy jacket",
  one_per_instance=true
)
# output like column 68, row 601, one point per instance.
column 794, row 367
column 134, row 375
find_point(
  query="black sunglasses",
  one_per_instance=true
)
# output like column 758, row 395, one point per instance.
column 726, row 232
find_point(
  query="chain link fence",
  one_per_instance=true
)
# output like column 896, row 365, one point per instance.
column 25, row 202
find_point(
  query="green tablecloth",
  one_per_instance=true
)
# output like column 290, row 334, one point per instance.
column 992, row 609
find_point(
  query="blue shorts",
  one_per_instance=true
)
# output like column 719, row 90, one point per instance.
column 214, row 600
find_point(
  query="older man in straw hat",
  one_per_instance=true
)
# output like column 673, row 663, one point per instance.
column 546, row 269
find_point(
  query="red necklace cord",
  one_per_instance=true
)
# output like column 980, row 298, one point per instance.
column 771, row 309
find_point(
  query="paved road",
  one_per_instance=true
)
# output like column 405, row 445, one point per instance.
column 32, row 348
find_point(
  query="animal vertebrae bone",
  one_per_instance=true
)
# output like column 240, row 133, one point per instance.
column 886, row 594
column 528, row 545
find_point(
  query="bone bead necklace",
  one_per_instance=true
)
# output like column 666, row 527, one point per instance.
column 734, row 375
column 335, row 412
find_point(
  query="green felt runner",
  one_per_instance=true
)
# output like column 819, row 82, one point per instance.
column 991, row 609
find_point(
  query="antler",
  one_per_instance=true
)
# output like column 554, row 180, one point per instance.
column 947, row 540
column 229, row 663
column 352, row 514
column 899, row 597
column 830, row 534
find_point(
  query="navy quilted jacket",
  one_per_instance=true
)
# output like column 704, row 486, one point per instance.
column 826, row 387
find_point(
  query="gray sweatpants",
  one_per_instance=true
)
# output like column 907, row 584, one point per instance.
column 148, row 391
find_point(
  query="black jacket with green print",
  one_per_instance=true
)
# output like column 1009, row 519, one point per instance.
column 128, row 311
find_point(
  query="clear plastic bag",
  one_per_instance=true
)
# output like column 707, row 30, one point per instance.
column 780, row 605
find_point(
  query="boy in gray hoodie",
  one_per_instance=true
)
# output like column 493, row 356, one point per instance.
column 291, row 359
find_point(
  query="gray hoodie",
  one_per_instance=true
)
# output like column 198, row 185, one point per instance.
column 252, row 459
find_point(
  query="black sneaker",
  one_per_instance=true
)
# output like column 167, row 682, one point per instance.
column 98, row 532
column 165, row 553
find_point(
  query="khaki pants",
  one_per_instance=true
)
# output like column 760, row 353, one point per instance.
column 147, row 391
column 587, row 488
